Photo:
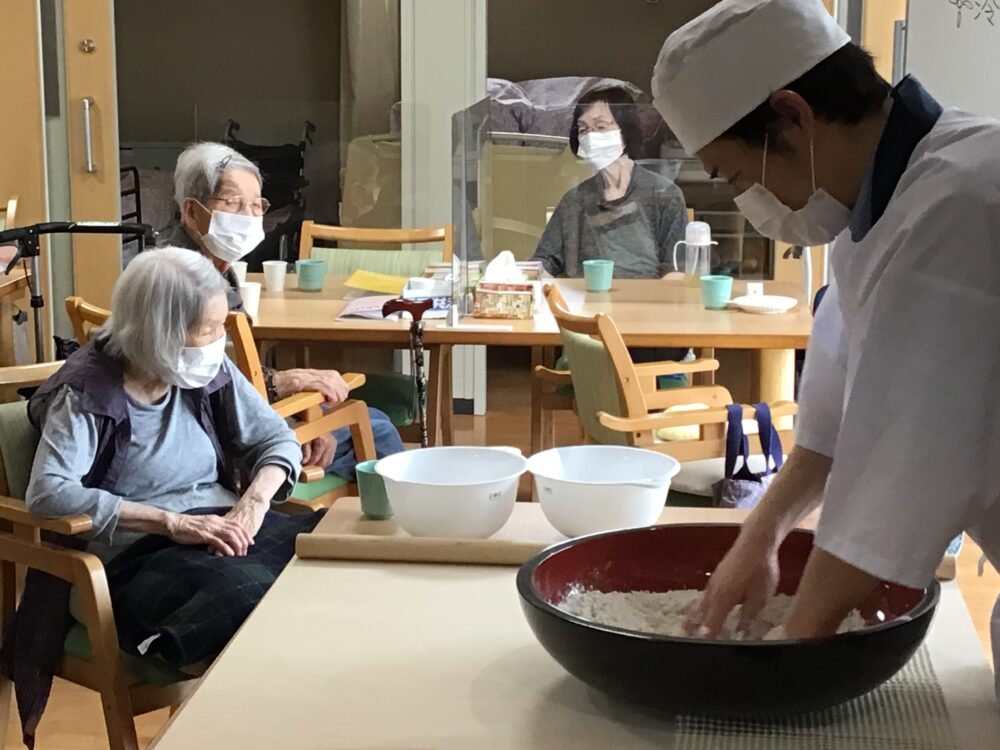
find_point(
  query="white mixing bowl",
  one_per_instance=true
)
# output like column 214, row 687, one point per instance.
column 585, row 489
column 452, row 492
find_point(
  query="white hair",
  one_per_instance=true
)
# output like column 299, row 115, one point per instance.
column 159, row 297
column 200, row 166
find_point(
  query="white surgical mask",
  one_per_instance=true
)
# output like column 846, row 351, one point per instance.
column 816, row 223
column 601, row 149
column 231, row 236
column 197, row 366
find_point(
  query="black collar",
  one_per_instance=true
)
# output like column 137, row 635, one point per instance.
column 914, row 114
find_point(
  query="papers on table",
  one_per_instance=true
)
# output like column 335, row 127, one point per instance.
column 370, row 308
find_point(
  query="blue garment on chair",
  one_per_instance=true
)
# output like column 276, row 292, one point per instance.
column 387, row 442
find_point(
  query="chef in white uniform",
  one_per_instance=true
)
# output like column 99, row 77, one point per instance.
column 899, row 429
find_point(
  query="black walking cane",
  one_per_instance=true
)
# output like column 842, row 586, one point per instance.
column 416, row 308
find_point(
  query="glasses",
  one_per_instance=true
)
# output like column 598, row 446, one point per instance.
column 237, row 204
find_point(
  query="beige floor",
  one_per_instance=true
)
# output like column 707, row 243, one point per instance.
column 74, row 720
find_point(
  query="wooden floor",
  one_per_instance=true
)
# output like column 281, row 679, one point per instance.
column 74, row 720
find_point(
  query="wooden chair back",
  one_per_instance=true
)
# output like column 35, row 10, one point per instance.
column 8, row 213
column 375, row 239
column 616, row 408
column 84, row 317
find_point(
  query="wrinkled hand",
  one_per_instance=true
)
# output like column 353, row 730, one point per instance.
column 747, row 575
column 319, row 452
column 223, row 535
column 248, row 515
column 328, row 382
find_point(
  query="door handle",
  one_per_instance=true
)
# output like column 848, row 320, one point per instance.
column 88, row 140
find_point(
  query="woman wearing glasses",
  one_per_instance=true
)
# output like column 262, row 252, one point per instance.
column 220, row 210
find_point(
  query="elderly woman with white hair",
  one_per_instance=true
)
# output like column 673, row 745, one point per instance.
column 141, row 431
column 220, row 215
column 141, row 424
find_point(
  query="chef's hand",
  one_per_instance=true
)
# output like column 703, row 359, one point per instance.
column 328, row 382
column 747, row 575
column 319, row 452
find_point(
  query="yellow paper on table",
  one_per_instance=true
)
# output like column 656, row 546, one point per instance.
column 369, row 281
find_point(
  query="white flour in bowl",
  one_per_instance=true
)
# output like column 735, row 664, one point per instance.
column 664, row 613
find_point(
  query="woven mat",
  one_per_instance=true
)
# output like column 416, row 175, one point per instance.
column 907, row 713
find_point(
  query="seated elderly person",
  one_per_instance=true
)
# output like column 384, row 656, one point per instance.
column 141, row 430
column 218, row 195
column 623, row 213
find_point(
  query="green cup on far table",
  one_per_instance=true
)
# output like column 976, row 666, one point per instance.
column 716, row 291
column 311, row 274
column 371, row 487
column 597, row 275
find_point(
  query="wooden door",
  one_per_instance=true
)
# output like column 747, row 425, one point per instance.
column 91, row 93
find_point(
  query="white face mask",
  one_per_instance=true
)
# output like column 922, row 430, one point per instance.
column 231, row 236
column 197, row 366
column 816, row 223
column 601, row 149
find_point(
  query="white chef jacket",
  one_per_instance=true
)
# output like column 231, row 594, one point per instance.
column 902, row 377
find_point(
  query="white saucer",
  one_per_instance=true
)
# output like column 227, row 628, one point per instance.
column 764, row 304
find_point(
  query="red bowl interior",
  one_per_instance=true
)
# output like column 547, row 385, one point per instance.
column 669, row 558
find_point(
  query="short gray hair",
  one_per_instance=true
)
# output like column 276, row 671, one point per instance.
column 200, row 166
column 159, row 297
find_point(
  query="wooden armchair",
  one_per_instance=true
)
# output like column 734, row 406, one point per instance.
column 128, row 686
column 618, row 403
column 315, row 488
column 382, row 251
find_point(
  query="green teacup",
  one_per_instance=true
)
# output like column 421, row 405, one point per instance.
column 597, row 275
column 311, row 274
column 716, row 291
column 374, row 501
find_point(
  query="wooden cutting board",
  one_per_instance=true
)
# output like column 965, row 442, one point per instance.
column 346, row 534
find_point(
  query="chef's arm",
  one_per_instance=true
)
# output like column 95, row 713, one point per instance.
column 830, row 588
column 794, row 493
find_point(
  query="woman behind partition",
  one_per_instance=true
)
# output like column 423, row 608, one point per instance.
column 624, row 213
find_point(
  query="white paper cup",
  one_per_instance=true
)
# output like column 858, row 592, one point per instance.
column 250, row 294
column 755, row 288
column 274, row 275
column 240, row 269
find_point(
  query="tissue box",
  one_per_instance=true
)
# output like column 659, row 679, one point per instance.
column 513, row 301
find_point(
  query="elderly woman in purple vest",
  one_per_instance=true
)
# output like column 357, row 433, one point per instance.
column 141, row 426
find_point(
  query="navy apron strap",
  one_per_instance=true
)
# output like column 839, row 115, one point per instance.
column 770, row 441
column 737, row 445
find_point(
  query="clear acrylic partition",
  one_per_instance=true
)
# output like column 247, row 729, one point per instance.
column 514, row 167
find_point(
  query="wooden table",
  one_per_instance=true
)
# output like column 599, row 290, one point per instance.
column 649, row 313
column 387, row 656
column 11, row 287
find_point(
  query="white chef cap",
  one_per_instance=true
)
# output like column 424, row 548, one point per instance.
column 717, row 69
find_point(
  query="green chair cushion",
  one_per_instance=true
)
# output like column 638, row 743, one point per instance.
column 343, row 261
column 18, row 442
column 390, row 392
column 663, row 382
column 312, row 490
column 145, row 669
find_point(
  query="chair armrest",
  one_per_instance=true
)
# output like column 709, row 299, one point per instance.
column 688, row 418
column 15, row 512
column 299, row 403
column 353, row 379
column 344, row 414
column 311, row 474
column 305, row 400
column 652, row 369
column 23, row 376
column 553, row 377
